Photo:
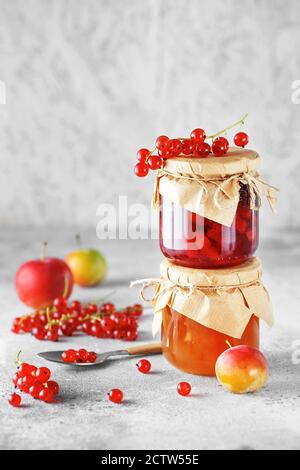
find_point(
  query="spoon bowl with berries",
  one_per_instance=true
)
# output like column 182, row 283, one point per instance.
column 82, row 357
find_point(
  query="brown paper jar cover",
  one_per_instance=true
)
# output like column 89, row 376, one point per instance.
column 210, row 187
column 223, row 300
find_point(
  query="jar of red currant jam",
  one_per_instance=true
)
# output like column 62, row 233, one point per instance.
column 205, row 311
column 209, row 215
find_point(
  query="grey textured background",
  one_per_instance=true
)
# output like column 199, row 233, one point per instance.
column 89, row 82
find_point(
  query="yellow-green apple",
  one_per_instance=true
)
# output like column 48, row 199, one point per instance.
column 242, row 369
column 88, row 266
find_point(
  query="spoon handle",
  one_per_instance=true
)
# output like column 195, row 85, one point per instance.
column 146, row 349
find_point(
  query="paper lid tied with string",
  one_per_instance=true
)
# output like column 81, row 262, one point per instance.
column 223, row 299
column 210, row 187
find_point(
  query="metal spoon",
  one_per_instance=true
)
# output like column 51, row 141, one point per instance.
column 144, row 350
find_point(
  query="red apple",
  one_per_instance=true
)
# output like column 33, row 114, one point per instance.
column 40, row 281
column 242, row 369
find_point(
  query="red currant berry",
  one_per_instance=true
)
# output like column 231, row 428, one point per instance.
column 188, row 147
column 108, row 307
column 39, row 333
column 60, row 302
column 107, row 333
column 15, row 400
column 155, row 163
column 52, row 385
column 117, row 334
column 93, row 308
column 76, row 306
column 69, row 355
column 15, row 378
column 218, row 148
column 42, row 374
column 184, row 389
column 35, row 390
column 26, row 369
column 175, row 147
column 132, row 323
column 92, row 356
column 198, row 135
column 26, row 325
column 167, row 154
column 203, row 149
column 17, row 329
column 224, row 141
column 116, row 395
column 141, row 170
column 131, row 335
column 46, row 395
column 241, row 139
column 162, row 142
column 144, row 366
column 136, row 310
column 27, row 381
column 67, row 329
column 81, row 355
column 52, row 335
column 142, row 155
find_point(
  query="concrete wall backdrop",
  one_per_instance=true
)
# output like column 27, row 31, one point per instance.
column 88, row 82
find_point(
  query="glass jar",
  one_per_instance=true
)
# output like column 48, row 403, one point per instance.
column 209, row 215
column 202, row 309
column 194, row 348
column 194, row 241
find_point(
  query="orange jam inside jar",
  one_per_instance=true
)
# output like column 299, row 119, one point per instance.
column 209, row 215
column 194, row 348
column 204, row 309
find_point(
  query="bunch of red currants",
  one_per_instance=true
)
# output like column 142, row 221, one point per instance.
column 34, row 381
column 194, row 146
column 66, row 319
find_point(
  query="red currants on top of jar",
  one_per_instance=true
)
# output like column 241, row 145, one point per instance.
column 196, row 145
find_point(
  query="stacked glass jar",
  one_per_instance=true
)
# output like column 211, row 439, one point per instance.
column 209, row 232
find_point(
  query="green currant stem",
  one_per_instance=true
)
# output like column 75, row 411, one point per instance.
column 228, row 344
column 48, row 316
column 224, row 131
column 66, row 287
column 150, row 153
column 18, row 360
column 43, row 251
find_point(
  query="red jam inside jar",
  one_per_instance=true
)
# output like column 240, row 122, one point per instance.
column 194, row 348
column 191, row 240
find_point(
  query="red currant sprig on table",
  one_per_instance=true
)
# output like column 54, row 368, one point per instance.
column 82, row 356
column 34, row 381
column 66, row 319
column 194, row 146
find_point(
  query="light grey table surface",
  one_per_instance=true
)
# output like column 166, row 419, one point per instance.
column 153, row 415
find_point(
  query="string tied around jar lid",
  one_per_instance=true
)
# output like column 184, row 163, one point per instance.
column 257, row 188
column 162, row 286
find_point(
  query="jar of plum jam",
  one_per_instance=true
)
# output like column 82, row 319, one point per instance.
column 208, row 218
column 203, row 311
